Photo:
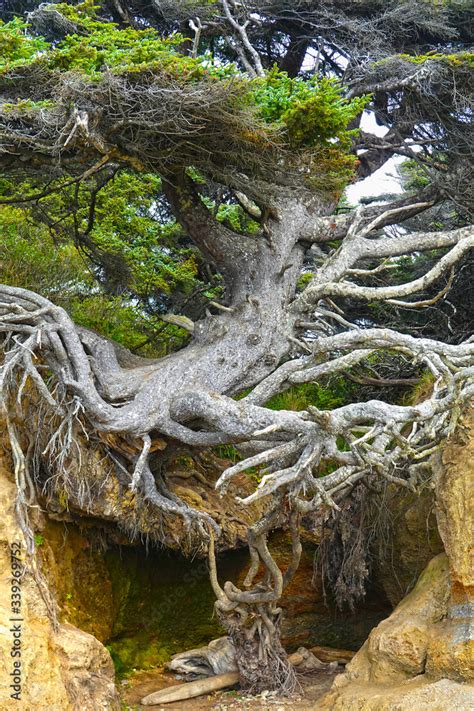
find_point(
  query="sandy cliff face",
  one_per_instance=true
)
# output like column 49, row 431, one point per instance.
column 451, row 644
column 398, row 668
column 422, row 656
column 40, row 667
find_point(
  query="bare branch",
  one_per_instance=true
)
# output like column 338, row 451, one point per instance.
column 241, row 32
column 367, row 293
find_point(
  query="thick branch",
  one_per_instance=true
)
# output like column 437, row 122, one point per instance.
column 357, row 246
column 225, row 248
column 367, row 293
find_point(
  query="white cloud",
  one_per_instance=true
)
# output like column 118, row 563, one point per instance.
column 384, row 180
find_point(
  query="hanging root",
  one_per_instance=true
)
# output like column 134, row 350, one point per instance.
column 156, row 491
column 252, row 617
column 343, row 559
column 24, row 486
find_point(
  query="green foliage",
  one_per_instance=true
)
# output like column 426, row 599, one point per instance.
column 414, row 176
column 312, row 116
column 16, row 47
column 133, row 261
column 306, row 117
column 120, row 50
column 25, row 106
column 227, row 451
column 112, row 317
column 311, row 111
column 97, row 46
column 125, row 226
column 138, row 251
column 234, row 217
column 39, row 539
column 454, row 60
column 31, row 258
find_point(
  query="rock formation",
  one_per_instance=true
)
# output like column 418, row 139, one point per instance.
column 54, row 666
column 423, row 655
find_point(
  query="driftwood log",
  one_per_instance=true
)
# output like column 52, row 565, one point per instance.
column 190, row 690
column 331, row 654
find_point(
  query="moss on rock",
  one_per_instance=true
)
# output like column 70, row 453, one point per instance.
column 164, row 604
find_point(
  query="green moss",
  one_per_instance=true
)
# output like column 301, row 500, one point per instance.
column 456, row 60
column 432, row 576
column 304, row 280
column 299, row 397
column 147, row 607
column 421, row 391
column 164, row 604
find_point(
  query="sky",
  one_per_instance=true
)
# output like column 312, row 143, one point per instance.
column 385, row 179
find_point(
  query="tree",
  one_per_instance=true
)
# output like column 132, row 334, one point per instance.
column 250, row 119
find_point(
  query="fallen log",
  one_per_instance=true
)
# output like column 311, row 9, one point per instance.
column 191, row 689
column 331, row 654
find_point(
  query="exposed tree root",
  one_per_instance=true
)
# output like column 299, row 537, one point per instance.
column 257, row 343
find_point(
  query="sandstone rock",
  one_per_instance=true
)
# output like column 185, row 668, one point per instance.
column 455, row 508
column 418, row 693
column 397, row 648
column 451, row 644
column 450, row 650
column 406, row 659
column 78, row 577
column 86, row 669
column 64, row 671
